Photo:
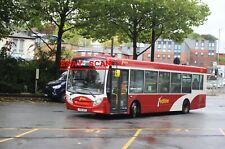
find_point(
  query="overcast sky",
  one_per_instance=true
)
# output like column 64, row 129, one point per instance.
column 215, row 22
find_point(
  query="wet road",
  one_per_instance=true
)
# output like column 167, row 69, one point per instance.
column 50, row 125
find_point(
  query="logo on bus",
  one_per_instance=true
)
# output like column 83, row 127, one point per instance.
column 82, row 99
column 163, row 101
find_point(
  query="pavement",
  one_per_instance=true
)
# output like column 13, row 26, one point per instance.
column 40, row 125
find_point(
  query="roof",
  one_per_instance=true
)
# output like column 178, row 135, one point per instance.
column 150, row 65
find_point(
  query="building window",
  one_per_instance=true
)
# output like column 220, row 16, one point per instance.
column 210, row 44
column 21, row 45
column 82, row 53
column 196, row 53
column 195, row 62
column 202, row 44
column 158, row 55
column 15, row 45
column 164, row 44
column 149, row 55
column 169, row 45
column 196, row 44
column 159, row 44
column 176, row 47
column 163, row 56
column 202, row 53
column 169, row 56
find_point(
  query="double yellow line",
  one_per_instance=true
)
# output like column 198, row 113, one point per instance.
column 18, row 136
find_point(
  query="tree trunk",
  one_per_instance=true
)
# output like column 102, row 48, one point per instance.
column 153, row 41
column 153, row 45
column 134, row 50
column 58, row 51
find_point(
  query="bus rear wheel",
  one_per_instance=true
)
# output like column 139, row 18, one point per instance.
column 134, row 110
column 186, row 107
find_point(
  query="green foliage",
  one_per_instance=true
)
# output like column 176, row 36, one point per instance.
column 134, row 20
column 9, row 16
column 209, row 37
column 72, row 37
column 18, row 75
column 108, row 43
column 197, row 36
column 63, row 14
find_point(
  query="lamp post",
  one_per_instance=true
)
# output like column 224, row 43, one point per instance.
column 218, row 54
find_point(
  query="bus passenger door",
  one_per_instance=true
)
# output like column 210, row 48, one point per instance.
column 119, row 91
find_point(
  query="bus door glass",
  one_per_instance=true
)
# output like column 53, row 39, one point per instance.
column 119, row 91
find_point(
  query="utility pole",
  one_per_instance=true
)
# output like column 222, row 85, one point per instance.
column 218, row 54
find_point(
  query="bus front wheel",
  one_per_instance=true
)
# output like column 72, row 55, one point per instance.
column 134, row 110
column 186, row 107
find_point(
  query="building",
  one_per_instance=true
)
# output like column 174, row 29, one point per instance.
column 23, row 45
column 190, row 52
column 165, row 51
column 202, row 52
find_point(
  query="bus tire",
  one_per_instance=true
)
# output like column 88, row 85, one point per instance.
column 134, row 109
column 186, row 107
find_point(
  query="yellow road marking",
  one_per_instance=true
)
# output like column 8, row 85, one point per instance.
column 222, row 131
column 4, row 140
column 89, row 130
column 18, row 136
column 108, row 129
column 131, row 139
column 98, row 131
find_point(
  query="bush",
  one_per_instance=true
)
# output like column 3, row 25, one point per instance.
column 18, row 75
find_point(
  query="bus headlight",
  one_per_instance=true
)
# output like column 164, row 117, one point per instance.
column 97, row 101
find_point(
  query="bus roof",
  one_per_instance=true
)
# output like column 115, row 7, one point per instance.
column 150, row 65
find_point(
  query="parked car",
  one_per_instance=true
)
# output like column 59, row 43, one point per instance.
column 55, row 90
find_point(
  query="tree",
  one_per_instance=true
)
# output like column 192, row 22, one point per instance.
column 9, row 13
column 142, row 20
column 72, row 37
column 197, row 36
column 62, row 13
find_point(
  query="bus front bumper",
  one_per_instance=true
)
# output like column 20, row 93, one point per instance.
column 102, row 108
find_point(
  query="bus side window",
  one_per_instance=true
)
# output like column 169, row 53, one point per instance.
column 186, row 83
column 164, row 82
column 136, row 81
column 195, row 82
column 151, row 78
column 175, row 83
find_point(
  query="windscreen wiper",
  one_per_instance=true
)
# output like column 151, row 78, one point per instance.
column 90, row 92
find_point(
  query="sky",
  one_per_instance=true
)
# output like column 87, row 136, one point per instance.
column 215, row 22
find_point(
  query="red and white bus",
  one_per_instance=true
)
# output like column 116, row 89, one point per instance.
column 134, row 87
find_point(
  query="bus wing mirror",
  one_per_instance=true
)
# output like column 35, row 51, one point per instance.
column 117, row 73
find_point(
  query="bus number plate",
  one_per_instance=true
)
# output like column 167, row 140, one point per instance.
column 82, row 110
